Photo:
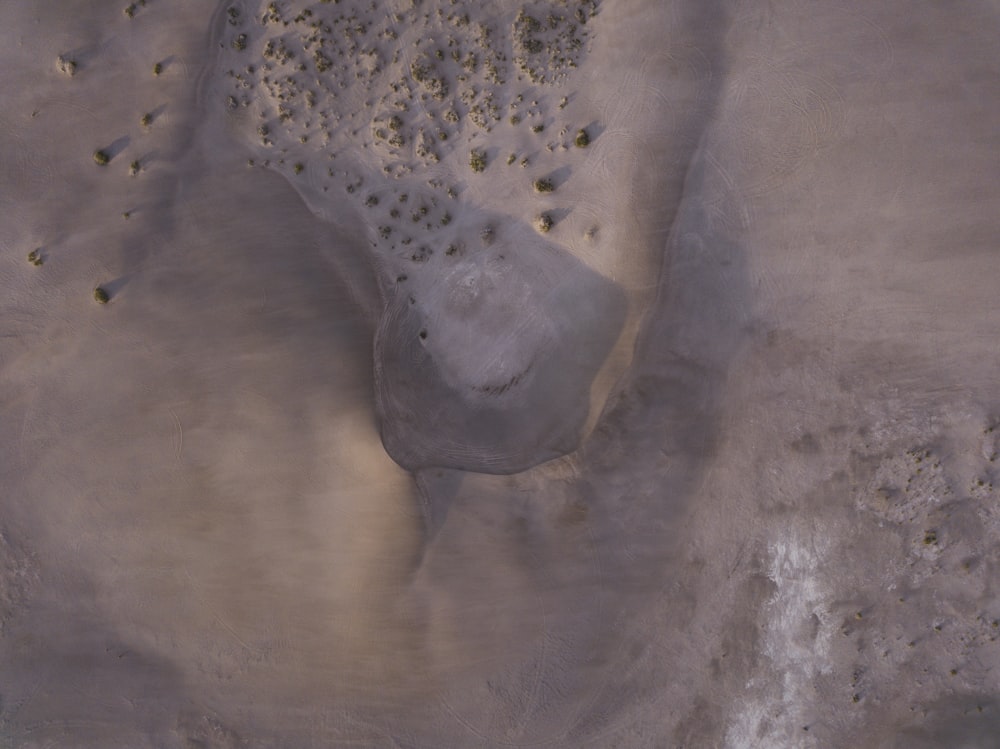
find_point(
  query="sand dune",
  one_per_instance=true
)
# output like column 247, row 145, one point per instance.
column 564, row 374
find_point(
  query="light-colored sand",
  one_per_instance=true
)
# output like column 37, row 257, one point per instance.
column 358, row 454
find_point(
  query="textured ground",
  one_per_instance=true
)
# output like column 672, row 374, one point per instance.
column 379, row 441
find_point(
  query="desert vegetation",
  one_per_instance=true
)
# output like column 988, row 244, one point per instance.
column 545, row 50
column 434, row 87
column 477, row 160
column 66, row 65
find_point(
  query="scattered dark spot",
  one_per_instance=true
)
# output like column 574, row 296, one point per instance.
column 806, row 444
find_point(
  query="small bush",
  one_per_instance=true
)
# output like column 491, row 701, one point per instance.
column 101, row 296
column 537, row 128
column 477, row 160
column 134, row 167
column 582, row 139
column 101, row 157
column 66, row 65
column 157, row 68
column 299, row 167
column 323, row 63
column 146, row 120
column 419, row 72
column 544, row 185
column 35, row 257
column 543, row 223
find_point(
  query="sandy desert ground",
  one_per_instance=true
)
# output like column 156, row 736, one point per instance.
column 573, row 373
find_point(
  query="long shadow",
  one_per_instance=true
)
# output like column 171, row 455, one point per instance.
column 116, row 147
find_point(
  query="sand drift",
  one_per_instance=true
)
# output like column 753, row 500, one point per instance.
column 489, row 367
